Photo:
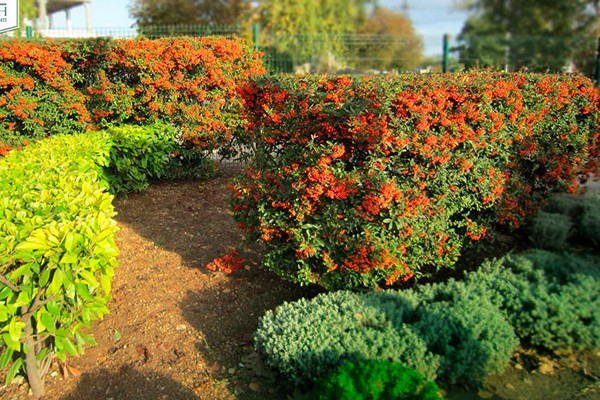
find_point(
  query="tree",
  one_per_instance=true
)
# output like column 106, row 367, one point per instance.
column 538, row 35
column 177, row 12
column 388, row 41
column 311, row 30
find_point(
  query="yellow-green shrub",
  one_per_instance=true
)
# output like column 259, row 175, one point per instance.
column 57, row 251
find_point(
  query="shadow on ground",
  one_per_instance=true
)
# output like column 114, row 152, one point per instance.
column 128, row 383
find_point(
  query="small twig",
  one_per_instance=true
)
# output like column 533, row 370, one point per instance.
column 8, row 283
column 36, row 305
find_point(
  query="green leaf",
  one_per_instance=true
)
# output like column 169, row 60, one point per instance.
column 57, row 281
column 69, row 258
column 48, row 321
column 6, row 357
column 53, row 308
column 15, row 329
column 13, row 371
column 63, row 343
column 24, row 298
column 24, row 269
column 3, row 313
column 33, row 243
column 10, row 343
column 106, row 283
column 89, row 277
column 44, row 276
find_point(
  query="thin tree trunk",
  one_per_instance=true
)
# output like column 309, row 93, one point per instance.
column 34, row 376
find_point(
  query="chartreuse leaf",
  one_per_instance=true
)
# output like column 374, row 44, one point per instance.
column 3, row 313
column 106, row 283
column 15, row 329
column 10, row 343
column 44, row 277
column 56, row 284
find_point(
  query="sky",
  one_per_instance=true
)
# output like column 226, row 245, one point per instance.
column 431, row 18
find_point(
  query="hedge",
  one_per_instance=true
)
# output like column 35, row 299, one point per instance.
column 68, row 86
column 362, row 182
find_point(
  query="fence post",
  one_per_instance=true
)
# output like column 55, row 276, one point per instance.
column 255, row 35
column 445, row 54
column 598, row 63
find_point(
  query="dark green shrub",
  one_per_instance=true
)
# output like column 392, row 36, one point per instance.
column 190, row 163
column 550, row 231
column 139, row 154
column 375, row 380
column 566, row 204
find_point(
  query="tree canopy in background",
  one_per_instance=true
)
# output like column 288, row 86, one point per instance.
column 325, row 34
column 188, row 12
column 310, row 30
column 539, row 35
column 390, row 41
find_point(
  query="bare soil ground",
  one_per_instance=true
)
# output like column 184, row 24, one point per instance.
column 179, row 331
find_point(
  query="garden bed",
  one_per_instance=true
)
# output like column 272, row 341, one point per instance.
column 179, row 331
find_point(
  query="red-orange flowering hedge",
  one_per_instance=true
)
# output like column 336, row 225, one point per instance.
column 37, row 97
column 70, row 86
column 363, row 182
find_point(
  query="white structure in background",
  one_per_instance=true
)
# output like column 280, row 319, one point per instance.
column 47, row 8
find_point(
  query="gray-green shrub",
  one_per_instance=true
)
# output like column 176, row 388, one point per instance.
column 590, row 219
column 472, row 338
column 460, row 342
column 552, row 299
column 550, row 231
column 459, row 330
column 306, row 339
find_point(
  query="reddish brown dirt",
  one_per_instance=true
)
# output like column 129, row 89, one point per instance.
column 179, row 331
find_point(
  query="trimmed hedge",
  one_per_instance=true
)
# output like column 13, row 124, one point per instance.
column 69, row 86
column 57, row 250
column 139, row 154
column 362, row 182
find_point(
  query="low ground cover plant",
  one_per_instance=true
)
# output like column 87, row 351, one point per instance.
column 362, row 182
column 457, row 331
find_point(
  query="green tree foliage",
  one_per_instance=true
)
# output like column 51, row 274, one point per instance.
column 537, row 35
column 177, row 12
column 389, row 41
column 311, row 30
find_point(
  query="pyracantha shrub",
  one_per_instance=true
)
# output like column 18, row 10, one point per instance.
column 363, row 182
